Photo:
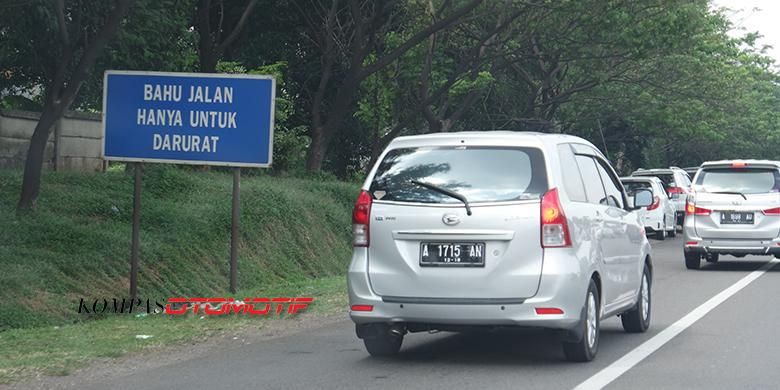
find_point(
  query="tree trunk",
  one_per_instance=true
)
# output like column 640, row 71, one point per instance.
column 31, row 184
column 316, row 153
column 208, row 62
column 59, row 96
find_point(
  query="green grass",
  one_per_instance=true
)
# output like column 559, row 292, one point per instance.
column 76, row 243
column 295, row 236
column 58, row 350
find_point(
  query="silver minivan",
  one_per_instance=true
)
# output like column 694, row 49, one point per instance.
column 453, row 231
column 734, row 209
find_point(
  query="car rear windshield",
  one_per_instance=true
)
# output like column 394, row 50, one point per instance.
column 633, row 186
column 745, row 181
column 666, row 178
column 480, row 174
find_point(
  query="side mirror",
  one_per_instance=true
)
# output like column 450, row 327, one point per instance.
column 642, row 198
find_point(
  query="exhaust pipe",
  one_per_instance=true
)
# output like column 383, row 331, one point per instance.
column 397, row 330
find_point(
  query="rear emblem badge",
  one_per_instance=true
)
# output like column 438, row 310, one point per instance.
column 450, row 219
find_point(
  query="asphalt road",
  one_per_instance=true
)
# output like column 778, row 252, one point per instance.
column 732, row 346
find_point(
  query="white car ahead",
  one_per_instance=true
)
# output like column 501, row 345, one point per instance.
column 659, row 217
column 677, row 184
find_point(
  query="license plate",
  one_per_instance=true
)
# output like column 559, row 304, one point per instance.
column 736, row 218
column 458, row 254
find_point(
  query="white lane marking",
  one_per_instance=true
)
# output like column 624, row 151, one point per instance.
column 629, row 360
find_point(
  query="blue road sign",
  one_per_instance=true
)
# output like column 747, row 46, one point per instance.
column 188, row 118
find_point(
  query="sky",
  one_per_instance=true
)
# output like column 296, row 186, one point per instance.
column 755, row 15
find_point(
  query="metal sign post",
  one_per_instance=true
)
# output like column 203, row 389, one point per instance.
column 234, row 230
column 136, row 228
column 188, row 118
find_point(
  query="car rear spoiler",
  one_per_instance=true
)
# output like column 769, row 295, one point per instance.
column 741, row 164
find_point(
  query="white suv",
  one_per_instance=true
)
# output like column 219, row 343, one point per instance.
column 659, row 217
column 456, row 230
column 677, row 183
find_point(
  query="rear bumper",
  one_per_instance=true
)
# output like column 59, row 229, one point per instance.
column 562, row 286
column 734, row 250
column 732, row 247
column 726, row 246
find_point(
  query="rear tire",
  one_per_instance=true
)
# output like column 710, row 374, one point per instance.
column 585, row 349
column 712, row 257
column 660, row 234
column 692, row 260
column 383, row 345
column 637, row 320
column 673, row 231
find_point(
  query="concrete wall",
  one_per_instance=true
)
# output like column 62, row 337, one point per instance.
column 74, row 143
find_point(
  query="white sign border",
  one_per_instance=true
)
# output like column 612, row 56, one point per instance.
column 189, row 162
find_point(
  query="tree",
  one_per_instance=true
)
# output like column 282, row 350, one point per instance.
column 350, row 37
column 708, row 97
column 155, row 36
column 215, row 35
column 445, row 76
column 64, row 40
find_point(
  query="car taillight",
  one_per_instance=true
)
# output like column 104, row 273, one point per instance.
column 656, row 203
column 548, row 310
column 774, row 211
column 360, row 217
column 691, row 209
column 555, row 229
column 675, row 192
column 362, row 307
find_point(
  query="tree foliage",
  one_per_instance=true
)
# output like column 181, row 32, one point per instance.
column 653, row 83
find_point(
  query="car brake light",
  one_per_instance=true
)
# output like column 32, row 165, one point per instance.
column 555, row 229
column 691, row 209
column 360, row 217
column 774, row 211
column 675, row 192
column 656, row 203
column 362, row 307
column 738, row 164
column 692, row 243
column 548, row 310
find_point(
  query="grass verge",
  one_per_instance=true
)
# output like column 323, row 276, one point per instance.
column 295, row 241
column 59, row 350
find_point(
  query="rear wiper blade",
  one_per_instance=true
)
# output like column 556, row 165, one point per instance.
column 730, row 193
column 444, row 191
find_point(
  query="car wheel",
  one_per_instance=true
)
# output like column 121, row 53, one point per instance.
column 383, row 345
column 585, row 349
column 637, row 320
column 660, row 234
column 712, row 257
column 673, row 231
column 692, row 260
